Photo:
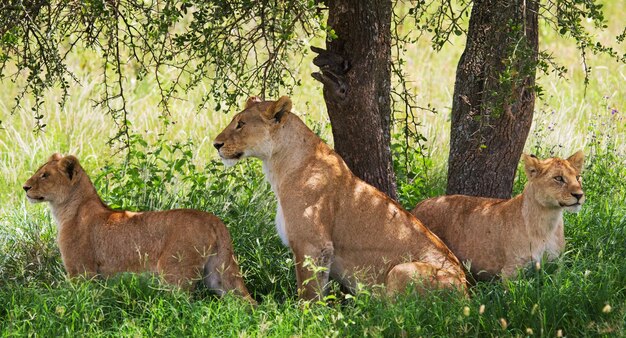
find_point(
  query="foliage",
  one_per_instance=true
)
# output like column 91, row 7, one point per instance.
column 239, row 47
column 444, row 19
column 231, row 48
column 417, row 176
column 146, row 175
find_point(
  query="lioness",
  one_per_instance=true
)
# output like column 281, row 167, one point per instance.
column 344, row 226
column 96, row 240
column 497, row 237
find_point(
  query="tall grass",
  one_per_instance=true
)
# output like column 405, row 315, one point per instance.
column 583, row 293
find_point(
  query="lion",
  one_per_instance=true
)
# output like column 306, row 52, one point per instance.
column 496, row 237
column 181, row 245
column 336, row 225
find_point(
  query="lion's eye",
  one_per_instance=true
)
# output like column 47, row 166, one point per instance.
column 559, row 179
column 240, row 124
column 578, row 178
column 45, row 175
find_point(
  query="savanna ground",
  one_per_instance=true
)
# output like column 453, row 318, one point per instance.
column 173, row 165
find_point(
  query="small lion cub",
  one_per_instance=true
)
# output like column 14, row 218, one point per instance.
column 496, row 237
column 180, row 245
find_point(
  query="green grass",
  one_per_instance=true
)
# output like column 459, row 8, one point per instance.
column 567, row 295
column 570, row 295
column 176, row 167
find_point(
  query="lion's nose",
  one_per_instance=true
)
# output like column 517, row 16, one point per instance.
column 578, row 196
column 26, row 187
column 218, row 145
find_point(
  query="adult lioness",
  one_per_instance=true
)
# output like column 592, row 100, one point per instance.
column 344, row 225
column 497, row 237
column 96, row 240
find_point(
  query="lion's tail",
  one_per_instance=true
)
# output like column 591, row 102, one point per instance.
column 221, row 270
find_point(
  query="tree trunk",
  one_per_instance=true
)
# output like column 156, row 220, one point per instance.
column 494, row 98
column 356, row 73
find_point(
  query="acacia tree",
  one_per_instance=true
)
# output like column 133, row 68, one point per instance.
column 238, row 48
column 244, row 47
column 494, row 93
column 241, row 47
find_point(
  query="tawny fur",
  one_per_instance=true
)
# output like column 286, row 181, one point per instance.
column 496, row 237
column 352, row 231
column 182, row 245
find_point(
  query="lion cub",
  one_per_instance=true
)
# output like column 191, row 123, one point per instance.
column 96, row 240
column 330, row 218
column 497, row 237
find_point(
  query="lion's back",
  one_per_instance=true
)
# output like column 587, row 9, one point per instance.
column 437, row 211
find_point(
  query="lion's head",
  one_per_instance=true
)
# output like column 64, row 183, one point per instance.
column 556, row 183
column 53, row 182
column 250, row 132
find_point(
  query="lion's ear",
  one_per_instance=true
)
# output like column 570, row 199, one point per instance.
column 531, row 165
column 55, row 157
column 69, row 165
column 252, row 100
column 577, row 160
column 278, row 109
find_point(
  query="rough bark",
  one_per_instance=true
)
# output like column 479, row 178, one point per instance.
column 494, row 97
column 356, row 73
